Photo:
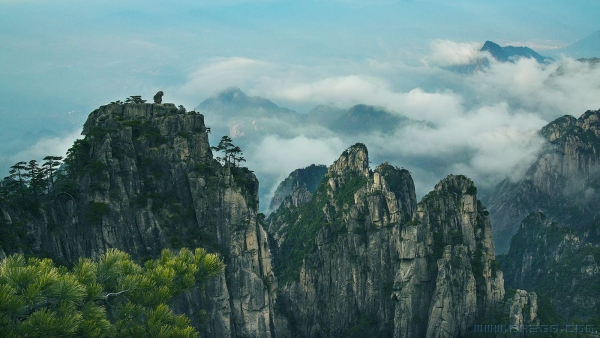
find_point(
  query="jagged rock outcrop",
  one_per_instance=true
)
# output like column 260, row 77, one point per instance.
column 457, row 219
column 144, row 179
column 361, row 258
column 522, row 309
column 550, row 258
column 563, row 183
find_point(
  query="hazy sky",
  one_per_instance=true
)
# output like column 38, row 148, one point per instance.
column 61, row 59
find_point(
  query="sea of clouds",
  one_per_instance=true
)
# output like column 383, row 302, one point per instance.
column 482, row 124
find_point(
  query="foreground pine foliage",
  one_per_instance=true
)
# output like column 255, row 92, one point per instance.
column 110, row 297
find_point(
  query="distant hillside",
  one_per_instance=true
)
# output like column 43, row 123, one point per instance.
column 232, row 101
column 248, row 120
column 545, row 256
column 233, row 113
column 587, row 47
column 366, row 119
column 298, row 186
column 238, row 115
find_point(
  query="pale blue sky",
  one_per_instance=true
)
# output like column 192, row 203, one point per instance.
column 61, row 59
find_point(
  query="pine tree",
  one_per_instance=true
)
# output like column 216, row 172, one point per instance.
column 135, row 99
column 76, row 157
column 233, row 154
column 112, row 296
column 17, row 172
column 52, row 162
column 36, row 179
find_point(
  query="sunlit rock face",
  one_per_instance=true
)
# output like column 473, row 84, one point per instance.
column 362, row 258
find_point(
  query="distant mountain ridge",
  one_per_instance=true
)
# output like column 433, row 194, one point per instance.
column 248, row 119
column 500, row 54
column 232, row 101
column 511, row 53
column 243, row 115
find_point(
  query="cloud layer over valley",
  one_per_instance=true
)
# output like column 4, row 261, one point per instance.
column 481, row 124
column 407, row 61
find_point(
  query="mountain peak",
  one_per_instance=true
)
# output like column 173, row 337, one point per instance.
column 490, row 46
column 232, row 94
column 557, row 128
column 588, row 47
column 458, row 184
column 510, row 53
column 355, row 158
column 232, row 101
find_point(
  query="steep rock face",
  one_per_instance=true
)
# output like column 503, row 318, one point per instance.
column 538, row 244
column 563, row 183
column 454, row 303
column 550, row 258
column 522, row 308
column 457, row 220
column 143, row 179
column 300, row 184
column 362, row 259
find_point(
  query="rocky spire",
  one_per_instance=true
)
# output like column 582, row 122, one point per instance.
column 370, row 262
column 353, row 159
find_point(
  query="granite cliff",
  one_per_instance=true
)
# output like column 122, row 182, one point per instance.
column 362, row 258
column 563, row 183
column 143, row 178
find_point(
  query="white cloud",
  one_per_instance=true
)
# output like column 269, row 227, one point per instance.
column 53, row 146
column 274, row 157
column 564, row 87
column 351, row 90
column 450, row 53
column 220, row 73
column 482, row 125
